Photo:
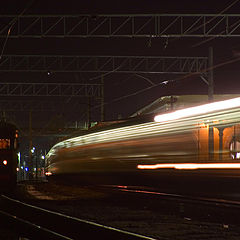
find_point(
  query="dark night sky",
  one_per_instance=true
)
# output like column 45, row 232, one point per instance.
column 123, row 6
column 226, row 78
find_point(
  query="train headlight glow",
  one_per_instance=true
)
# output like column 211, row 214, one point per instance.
column 5, row 162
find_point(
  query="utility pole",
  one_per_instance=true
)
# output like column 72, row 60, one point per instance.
column 30, row 146
column 210, row 75
column 102, row 100
column 89, row 112
column 210, row 99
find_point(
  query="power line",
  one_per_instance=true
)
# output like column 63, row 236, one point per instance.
column 12, row 24
column 224, row 10
column 207, row 22
column 174, row 80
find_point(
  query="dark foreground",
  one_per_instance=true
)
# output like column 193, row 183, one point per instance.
column 146, row 214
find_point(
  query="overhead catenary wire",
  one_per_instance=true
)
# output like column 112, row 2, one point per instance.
column 164, row 83
column 212, row 38
column 166, row 45
column 205, row 23
column 14, row 20
column 224, row 10
column 170, row 81
column 210, row 20
column 140, row 91
column 188, row 75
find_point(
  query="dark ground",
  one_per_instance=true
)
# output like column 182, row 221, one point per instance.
column 147, row 215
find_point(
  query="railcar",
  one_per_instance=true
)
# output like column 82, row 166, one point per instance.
column 8, row 154
column 200, row 139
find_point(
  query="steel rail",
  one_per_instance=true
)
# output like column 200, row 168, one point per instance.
column 60, row 225
column 185, row 198
column 30, row 229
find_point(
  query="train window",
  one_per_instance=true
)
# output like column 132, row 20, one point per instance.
column 4, row 143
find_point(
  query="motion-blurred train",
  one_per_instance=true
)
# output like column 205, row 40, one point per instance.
column 203, row 139
column 8, row 154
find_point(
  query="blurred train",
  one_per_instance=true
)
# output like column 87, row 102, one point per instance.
column 198, row 140
column 8, row 154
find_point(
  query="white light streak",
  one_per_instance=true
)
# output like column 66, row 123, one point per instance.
column 191, row 166
column 203, row 109
column 227, row 111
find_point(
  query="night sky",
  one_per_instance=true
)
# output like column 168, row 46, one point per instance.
column 124, row 6
column 120, row 87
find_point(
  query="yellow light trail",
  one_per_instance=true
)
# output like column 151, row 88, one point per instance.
column 184, row 120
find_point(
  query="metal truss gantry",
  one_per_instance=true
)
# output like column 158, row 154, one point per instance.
column 85, row 64
column 40, row 106
column 120, row 25
column 50, row 89
column 103, row 64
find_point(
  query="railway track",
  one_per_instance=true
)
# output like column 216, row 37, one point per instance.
column 37, row 223
column 186, row 198
column 145, row 211
column 210, row 209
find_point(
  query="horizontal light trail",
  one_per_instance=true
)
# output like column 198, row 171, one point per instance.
column 224, row 112
column 191, row 166
column 198, row 110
